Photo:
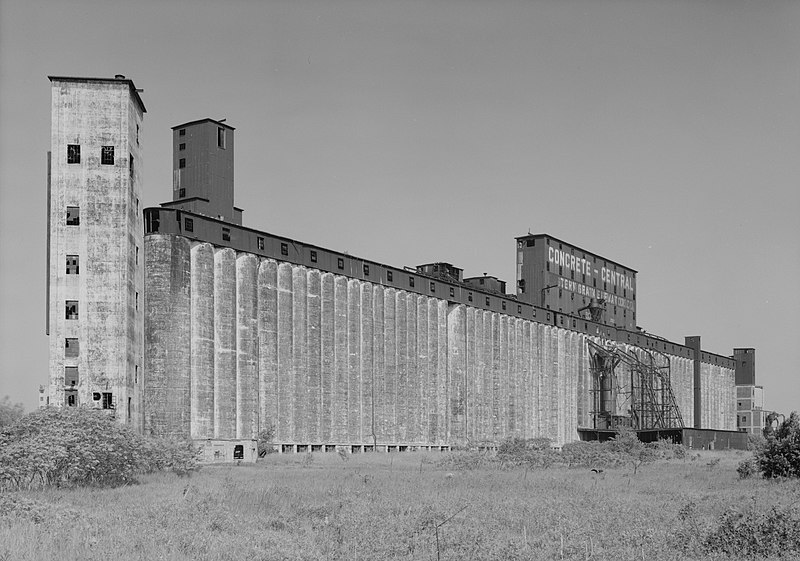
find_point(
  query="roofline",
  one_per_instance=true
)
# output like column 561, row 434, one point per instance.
column 207, row 119
column 526, row 236
column 134, row 91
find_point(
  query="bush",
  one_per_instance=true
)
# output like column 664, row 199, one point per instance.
column 265, row 438
column 79, row 446
column 780, row 454
column 747, row 468
column 772, row 534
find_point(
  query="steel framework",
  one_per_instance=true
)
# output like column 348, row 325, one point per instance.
column 646, row 401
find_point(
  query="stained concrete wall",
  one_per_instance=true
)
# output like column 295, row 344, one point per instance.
column 324, row 358
column 109, row 287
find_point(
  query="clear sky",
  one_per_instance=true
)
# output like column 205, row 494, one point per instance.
column 664, row 135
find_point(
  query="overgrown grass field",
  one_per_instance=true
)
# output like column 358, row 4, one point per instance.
column 409, row 506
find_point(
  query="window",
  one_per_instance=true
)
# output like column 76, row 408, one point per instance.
column 548, row 266
column 433, row 287
column 137, row 301
column 389, row 276
column 560, row 293
column 71, row 311
column 238, row 452
column 71, row 348
column 284, row 249
column 181, row 192
column 340, row 263
column 260, row 242
column 73, row 153
column 452, row 292
column 313, row 256
column 131, row 166
column 531, row 243
column 182, row 163
column 182, row 146
column 561, row 270
column 188, row 224
column 72, row 264
column 137, row 135
column 108, row 400
column 73, row 216
column 71, row 376
column 504, row 304
column 488, row 301
column 481, row 281
column 411, row 282
column 226, row 234
column 182, row 132
column 137, row 254
column 136, row 374
column 107, row 155
column 71, row 398
column 366, row 270
column 221, row 137
column 469, row 297
column 519, row 309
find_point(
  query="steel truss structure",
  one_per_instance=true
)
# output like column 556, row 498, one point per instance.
column 631, row 389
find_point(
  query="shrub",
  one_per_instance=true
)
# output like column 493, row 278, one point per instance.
column 78, row 446
column 756, row 534
column 780, row 454
column 747, row 468
column 265, row 438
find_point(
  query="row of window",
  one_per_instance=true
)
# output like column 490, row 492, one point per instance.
column 221, row 138
column 106, row 399
column 106, row 156
column 71, row 307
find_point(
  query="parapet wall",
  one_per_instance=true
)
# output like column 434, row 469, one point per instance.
column 237, row 343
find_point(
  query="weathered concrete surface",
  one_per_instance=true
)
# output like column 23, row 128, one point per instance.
column 322, row 358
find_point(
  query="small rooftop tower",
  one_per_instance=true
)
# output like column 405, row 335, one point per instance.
column 202, row 169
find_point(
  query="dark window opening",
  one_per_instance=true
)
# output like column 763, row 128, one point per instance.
column 182, row 163
column 366, row 270
column 560, row 293
column 182, row 132
column 260, row 242
column 560, row 270
column 284, row 249
column 71, row 348
column 531, row 243
column 481, row 281
column 136, row 374
column 188, row 224
column 548, row 266
column 71, row 376
column 107, row 155
column 504, row 304
column 238, row 452
column 452, row 292
column 129, row 408
column 73, row 216
column 73, row 153
column 469, row 297
column 340, row 263
column 137, row 254
column 313, row 256
column 137, row 301
column 226, row 234
column 131, row 166
column 71, row 309
column 411, row 281
column 107, row 400
column 488, row 301
column 182, row 146
column 72, row 398
column 72, row 265
column 181, row 192
column 433, row 287
column 521, row 285
column 221, row 137
column 519, row 309
column 389, row 276
column 137, row 135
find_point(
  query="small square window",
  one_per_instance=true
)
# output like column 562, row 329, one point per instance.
column 182, row 146
column 73, row 216
column 73, row 153
column 260, row 242
column 433, row 287
column 182, row 132
column 71, row 348
column 107, row 155
column 366, row 270
column 226, row 234
column 182, row 163
column 72, row 265
column 389, row 276
column 411, row 282
column 71, row 309
column 284, row 249
column 71, row 376
column 188, row 224
column 313, row 256
column 181, row 192
column 340, row 263
column 452, row 292
column 108, row 400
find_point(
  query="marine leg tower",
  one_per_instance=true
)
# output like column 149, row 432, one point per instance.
column 95, row 281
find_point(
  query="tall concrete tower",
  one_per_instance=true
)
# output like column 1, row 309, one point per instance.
column 95, row 246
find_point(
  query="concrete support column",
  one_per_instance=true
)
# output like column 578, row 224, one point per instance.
column 225, row 343
column 247, row 407
column 202, row 341
column 268, row 344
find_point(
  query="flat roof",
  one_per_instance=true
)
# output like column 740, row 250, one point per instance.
column 206, row 120
column 134, row 91
column 525, row 237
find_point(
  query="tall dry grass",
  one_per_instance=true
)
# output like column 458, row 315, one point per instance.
column 392, row 506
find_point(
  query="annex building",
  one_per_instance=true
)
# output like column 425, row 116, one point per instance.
column 181, row 321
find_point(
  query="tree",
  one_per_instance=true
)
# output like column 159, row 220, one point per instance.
column 10, row 412
column 780, row 456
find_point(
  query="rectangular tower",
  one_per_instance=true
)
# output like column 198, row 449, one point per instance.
column 95, row 240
